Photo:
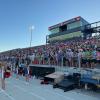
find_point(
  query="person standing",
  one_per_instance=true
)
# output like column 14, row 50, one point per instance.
column 2, row 77
column 5, row 73
column 26, row 71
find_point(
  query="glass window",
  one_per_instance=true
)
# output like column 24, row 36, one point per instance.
column 55, row 30
column 73, row 25
column 66, row 36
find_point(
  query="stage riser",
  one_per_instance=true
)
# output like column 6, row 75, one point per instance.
column 41, row 71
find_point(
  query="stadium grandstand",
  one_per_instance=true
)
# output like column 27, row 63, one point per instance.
column 70, row 60
column 75, row 34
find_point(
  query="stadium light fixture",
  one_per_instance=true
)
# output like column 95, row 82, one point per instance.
column 31, row 28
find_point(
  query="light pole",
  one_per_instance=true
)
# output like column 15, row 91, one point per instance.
column 31, row 30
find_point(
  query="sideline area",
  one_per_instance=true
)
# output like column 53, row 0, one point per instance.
column 18, row 89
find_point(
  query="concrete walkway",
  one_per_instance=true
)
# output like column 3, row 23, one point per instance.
column 18, row 89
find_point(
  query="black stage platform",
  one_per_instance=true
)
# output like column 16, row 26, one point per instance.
column 68, row 83
column 65, row 84
column 41, row 70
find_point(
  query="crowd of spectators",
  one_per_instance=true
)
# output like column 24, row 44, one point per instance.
column 85, row 53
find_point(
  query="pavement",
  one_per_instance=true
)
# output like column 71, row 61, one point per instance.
column 19, row 89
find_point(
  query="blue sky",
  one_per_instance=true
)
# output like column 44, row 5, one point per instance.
column 16, row 16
